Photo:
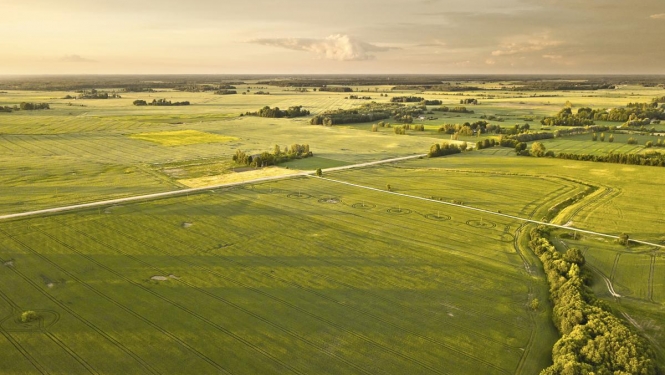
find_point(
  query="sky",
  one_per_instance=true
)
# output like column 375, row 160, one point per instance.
column 332, row 37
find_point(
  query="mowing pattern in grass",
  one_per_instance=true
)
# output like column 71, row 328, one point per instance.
column 182, row 137
column 266, row 284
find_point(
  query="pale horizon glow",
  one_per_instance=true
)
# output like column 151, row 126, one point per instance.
column 43, row 37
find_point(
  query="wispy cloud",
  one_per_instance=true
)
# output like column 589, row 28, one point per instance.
column 75, row 59
column 334, row 47
column 659, row 16
column 531, row 45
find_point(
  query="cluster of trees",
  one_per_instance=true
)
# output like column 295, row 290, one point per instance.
column 33, row 106
column 295, row 111
column 467, row 128
column 368, row 112
column 406, row 99
column 486, row 143
column 565, row 117
column 439, row 87
column 335, row 89
column 403, row 128
column 204, row 87
column 431, row 102
column 655, row 159
column 225, row 92
column 445, row 149
column 359, row 97
column 25, row 107
column 264, row 159
column 8, row 109
column 469, row 101
column 459, row 109
column 94, row 94
column 593, row 339
column 159, row 103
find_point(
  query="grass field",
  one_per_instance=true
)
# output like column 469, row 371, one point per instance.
column 295, row 276
column 182, row 137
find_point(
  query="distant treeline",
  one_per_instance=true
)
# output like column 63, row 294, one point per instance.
column 459, row 109
column 25, row 107
column 159, row 103
column 225, row 92
column 593, row 340
column 93, row 94
column 359, row 97
column 559, row 86
column 295, row 111
column 204, row 87
column 446, row 87
column 335, row 89
column 264, row 159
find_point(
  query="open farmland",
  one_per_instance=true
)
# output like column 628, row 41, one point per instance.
column 306, row 275
column 341, row 286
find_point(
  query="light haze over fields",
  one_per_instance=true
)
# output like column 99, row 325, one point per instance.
column 340, row 36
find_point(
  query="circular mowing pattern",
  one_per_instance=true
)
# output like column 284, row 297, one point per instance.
column 507, row 237
column 438, row 217
column 363, row 206
column 481, row 224
column 399, row 211
column 331, row 200
column 299, row 196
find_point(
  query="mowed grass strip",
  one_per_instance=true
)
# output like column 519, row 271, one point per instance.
column 182, row 137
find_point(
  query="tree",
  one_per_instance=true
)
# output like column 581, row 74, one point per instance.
column 534, row 304
column 623, row 239
column 29, row 316
column 611, row 138
column 319, row 172
column 594, row 137
column 389, row 187
column 538, row 149
column 602, row 137
column 574, row 255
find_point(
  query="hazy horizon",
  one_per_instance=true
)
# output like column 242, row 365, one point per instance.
column 260, row 37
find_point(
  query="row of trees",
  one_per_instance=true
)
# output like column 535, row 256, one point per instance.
column 655, row 159
column 406, row 99
column 159, row 103
column 459, row 109
column 445, row 149
column 565, row 117
column 279, row 155
column 593, row 339
column 25, row 107
column 226, row 92
column 295, row 111
column 368, row 112
column 335, row 89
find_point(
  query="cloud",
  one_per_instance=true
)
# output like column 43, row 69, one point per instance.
column 553, row 57
column 531, row 45
column 334, row 47
column 659, row 16
column 75, row 59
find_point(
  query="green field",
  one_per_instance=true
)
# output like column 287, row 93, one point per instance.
column 305, row 275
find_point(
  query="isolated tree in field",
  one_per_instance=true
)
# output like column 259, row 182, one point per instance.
column 602, row 137
column 538, row 149
column 29, row 316
column 319, row 172
column 648, row 144
column 375, row 128
column 534, row 304
column 594, row 137
column 623, row 239
column 611, row 138
column 389, row 187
